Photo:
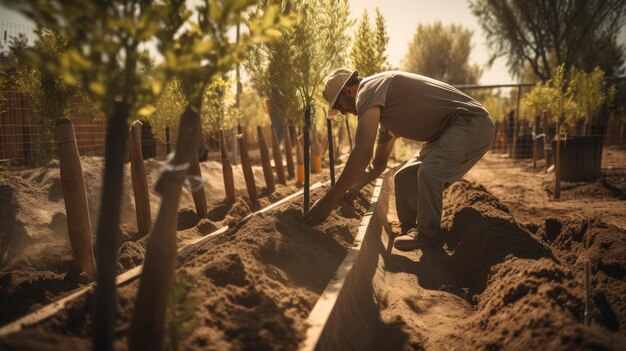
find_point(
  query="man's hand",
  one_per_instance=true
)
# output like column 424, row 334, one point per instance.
column 351, row 194
column 320, row 210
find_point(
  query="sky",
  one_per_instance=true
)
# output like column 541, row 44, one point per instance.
column 403, row 17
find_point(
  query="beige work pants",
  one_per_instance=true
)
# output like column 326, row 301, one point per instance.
column 420, row 183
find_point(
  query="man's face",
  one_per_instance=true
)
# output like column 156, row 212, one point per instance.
column 346, row 103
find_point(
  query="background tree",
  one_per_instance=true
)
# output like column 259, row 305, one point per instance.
column 49, row 95
column 319, row 41
column 442, row 52
column 271, row 70
column 369, row 45
column 545, row 34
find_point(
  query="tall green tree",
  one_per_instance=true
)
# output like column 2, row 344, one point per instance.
column 319, row 40
column 545, row 34
column 442, row 52
column 272, row 72
column 368, row 54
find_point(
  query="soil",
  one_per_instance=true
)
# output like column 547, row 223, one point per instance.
column 36, row 262
column 252, row 286
column 510, row 276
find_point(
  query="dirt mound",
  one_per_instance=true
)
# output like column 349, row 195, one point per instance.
column 248, row 288
column 480, row 232
column 536, row 304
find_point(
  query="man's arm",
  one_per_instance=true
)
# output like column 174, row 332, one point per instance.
column 384, row 147
column 357, row 161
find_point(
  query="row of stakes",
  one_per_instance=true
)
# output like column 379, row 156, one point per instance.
column 160, row 259
column 78, row 220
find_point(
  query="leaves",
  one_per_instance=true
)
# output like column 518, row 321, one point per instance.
column 442, row 52
column 370, row 43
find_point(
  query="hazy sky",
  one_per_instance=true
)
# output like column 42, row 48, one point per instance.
column 403, row 17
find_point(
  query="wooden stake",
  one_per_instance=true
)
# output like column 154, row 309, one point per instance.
column 108, row 233
column 265, row 162
column 148, row 322
column 349, row 134
column 289, row 154
column 588, row 292
column 278, row 158
column 246, row 166
column 75, row 197
column 227, row 171
column 140, row 182
column 199, row 197
column 168, row 148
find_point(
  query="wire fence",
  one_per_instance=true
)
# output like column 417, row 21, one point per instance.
column 529, row 138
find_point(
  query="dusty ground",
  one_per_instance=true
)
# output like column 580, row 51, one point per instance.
column 36, row 264
column 510, row 278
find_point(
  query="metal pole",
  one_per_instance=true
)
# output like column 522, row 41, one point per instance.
column 307, row 126
column 331, row 152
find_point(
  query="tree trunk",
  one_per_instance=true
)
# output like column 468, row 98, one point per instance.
column 75, row 197
column 108, row 233
column 265, row 162
column 140, row 182
column 148, row 322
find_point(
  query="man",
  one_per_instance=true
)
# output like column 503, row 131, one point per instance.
column 457, row 130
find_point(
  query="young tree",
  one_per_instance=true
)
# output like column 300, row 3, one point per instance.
column 49, row 95
column 442, row 52
column 270, row 67
column 370, row 43
column 545, row 34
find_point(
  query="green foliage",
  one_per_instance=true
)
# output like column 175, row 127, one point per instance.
column 442, row 52
column 271, row 68
column 218, row 107
column 49, row 95
column 105, row 38
column 168, row 108
column 319, row 42
column 369, row 45
column 589, row 92
column 203, row 51
column 555, row 96
column 4, row 170
column 181, row 307
column 545, row 34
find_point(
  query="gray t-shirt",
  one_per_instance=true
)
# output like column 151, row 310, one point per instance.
column 413, row 106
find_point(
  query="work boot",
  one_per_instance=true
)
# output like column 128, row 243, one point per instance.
column 414, row 239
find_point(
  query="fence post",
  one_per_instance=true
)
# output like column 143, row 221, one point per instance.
column 557, row 164
column 265, row 162
column 289, row 153
column 75, row 197
column 246, row 166
column 227, row 171
column 167, row 141
column 278, row 159
column 140, row 183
